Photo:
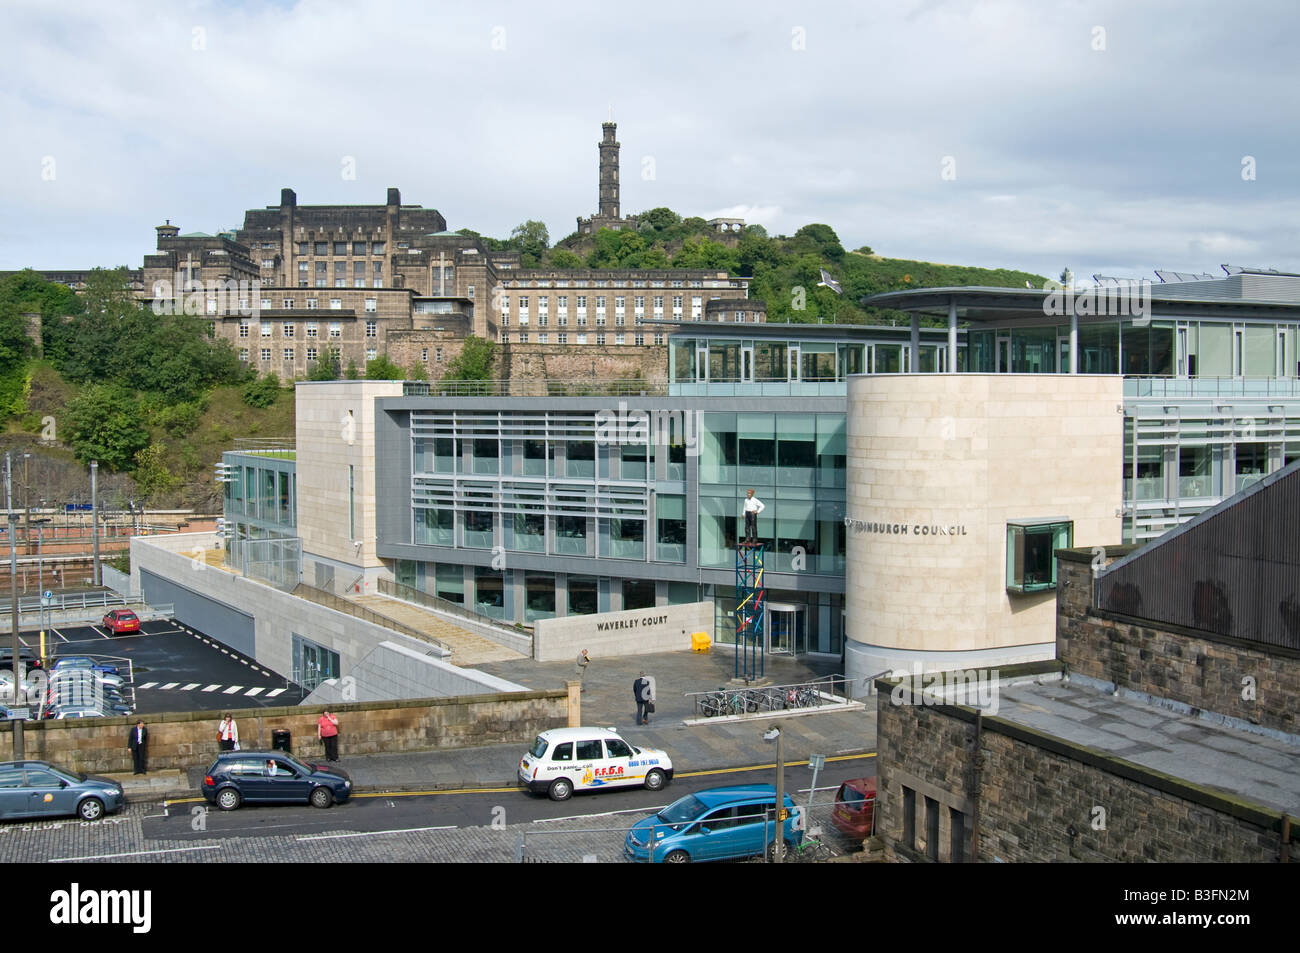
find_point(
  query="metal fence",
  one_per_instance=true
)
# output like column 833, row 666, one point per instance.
column 815, row 837
column 275, row 561
column 815, row 693
column 531, row 387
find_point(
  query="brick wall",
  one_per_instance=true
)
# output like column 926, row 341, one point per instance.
column 575, row 361
column 189, row 739
column 1213, row 675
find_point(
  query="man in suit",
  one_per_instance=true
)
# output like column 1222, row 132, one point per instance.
column 138, row 742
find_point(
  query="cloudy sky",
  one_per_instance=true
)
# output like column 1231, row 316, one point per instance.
column 1112, row 137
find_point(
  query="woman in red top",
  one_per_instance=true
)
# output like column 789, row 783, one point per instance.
column 327, row 729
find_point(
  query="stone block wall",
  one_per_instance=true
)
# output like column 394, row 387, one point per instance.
column 1037, row 798
column 183, row 740
column 1254, row 683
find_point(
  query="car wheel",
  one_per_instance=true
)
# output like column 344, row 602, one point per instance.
column 560, row 789
column 228, row 799
column 678, row 857
column 91, row 809
column 321, row 797
column 655, row 780
column 785, row 854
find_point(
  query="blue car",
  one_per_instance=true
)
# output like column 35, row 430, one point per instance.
column 39, row 789
column 266, row 777
column 716, row 824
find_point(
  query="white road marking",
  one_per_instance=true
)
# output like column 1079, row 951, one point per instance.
column 406, row 830
column 148, row 684
column 253, row 691
column 169, row 686
column 273, row 692
column 134, row 853
column 225, row 651
column 212, row 688
column 243, row 661
column 232, row 689
column 190, row 687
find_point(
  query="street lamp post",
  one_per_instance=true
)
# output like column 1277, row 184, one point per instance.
column 778, row 837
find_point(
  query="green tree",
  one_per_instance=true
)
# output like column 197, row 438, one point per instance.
column 382, row 369
column 475, row 362
column 659, row 218
column 352, row 373
column 563, row 258
column 531, row 240
column 325, row 367
column 261, row 391
column 151, row 472
column 107, row 425
column 819, row 239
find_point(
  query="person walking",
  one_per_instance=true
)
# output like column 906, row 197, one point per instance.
column 583, row 661
column 138, row 741
column 753, row 506
column 643, row 690
column 228, row 733
column 327, row 730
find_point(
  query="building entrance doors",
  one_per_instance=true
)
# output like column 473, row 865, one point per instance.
column 786, row 629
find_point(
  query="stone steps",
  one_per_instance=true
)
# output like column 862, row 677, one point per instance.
column 467, row 648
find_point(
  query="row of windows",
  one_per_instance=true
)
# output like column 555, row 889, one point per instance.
column 620, row 303
column 340, row 283
column 312, row 354
column 603, row 283
column 340, row 268
column 562, row 337
column 339, row 248
column 311, row 329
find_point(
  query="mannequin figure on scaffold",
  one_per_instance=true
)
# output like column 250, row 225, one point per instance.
column 753, row 506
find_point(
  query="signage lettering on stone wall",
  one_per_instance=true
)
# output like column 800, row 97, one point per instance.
column 631, row 623
column 921, row 530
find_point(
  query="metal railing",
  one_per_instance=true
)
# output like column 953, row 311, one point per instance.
column 339, row 604
column 551, row 387
column 277, row 447
column 1211, row 387
column 814, row 693
column 399, row 591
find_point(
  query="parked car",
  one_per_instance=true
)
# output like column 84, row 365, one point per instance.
column 59, row 713
column 25, row 655
column 724, row 823
column 272, row 777
column 564, row 760
column 121, row 621
column 83, row 662
column 39, row 789
column 855, row 806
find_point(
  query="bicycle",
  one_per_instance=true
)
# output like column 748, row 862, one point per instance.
column 810, row 850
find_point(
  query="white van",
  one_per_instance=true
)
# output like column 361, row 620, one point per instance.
column 564, row 760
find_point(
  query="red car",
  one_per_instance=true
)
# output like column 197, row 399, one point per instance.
column 855, row 808
column 120, row 621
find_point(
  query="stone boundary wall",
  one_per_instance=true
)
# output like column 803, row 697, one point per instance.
column 628, row 632
column 1034, row 788
column 183, row 740
column 1255, row 683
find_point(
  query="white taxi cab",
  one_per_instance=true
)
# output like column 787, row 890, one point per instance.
column 564, row 760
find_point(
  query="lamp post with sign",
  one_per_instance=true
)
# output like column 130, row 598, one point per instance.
column 778, row 838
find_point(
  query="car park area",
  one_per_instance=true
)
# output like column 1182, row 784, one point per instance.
column 165, row 666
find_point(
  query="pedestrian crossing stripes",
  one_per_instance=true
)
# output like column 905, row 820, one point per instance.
column 223, row 689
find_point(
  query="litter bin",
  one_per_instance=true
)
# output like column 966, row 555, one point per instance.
column 280, row 740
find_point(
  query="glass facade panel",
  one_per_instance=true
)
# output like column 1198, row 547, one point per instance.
column 539, row 596
column 529, row 532
column 681, row 354
column 818, row 362
column 435, row 527
column 724, row 361
column 717, row 462
column 582, row 459
column 489, row 592
column 571, row 536
column 583, row 595
column 1261, row 351
column 889, row 359
column 627, row 539
column 771, row 362
column 1098, row 347
column 1033, row 351
column 1214, row 351
column 1031, row 567
column 681, row 593
column 796, row 449
column 450, row 582
column 638, row 593
column 534, row 459
column 670, row 512
column 478, row 530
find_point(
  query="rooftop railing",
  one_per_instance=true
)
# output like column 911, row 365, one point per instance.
column 551, row 387
column 1211, row 387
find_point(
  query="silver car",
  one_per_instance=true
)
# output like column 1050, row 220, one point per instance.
column 39, row 789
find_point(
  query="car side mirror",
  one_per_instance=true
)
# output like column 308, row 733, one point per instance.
column 703, row 830
column 62, row 783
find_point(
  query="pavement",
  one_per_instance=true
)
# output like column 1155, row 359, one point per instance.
column 607, row 700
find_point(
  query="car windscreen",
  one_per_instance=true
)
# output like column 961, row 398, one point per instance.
column 539, row 747
column 850, row 797
column 683, row 810
column 298, row 765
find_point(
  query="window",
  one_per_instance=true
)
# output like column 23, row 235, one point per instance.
column 359, row 249
column 563, row 752
column 438, row 354
column 336, row 304
column 311, row 354
column 268, row 262
column 582, row 339
column 523, row 337
column 469, row 293
column 340, row 248
column 336, row 329
column 288, row 303
column 266, row 304
column 311, row 329
column 589, row 751
column 377, row 248
column 243, row 354
column 659, row 337
column 541, row 338
column 266, row 355
column 287, row 329
column 288, row 354
column 562, row 338
column 266, row 329
column 243, row 329
column 1031, row 567
column 615, row 748
column 304, row 248
column 311, row 304
column 372, row 304
column 372, row 329
column 322, row 248
column 619, row 337
column 371, row 353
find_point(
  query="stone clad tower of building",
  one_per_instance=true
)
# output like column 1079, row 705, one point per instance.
column 608, row 171
column 607, row 209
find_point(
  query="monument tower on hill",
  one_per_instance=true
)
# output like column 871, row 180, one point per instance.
column 607, row 214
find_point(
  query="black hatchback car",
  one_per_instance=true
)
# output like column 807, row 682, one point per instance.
column 270, row 777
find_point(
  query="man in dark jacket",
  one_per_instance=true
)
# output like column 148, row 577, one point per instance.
column 138, row 742
column 643, row 690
